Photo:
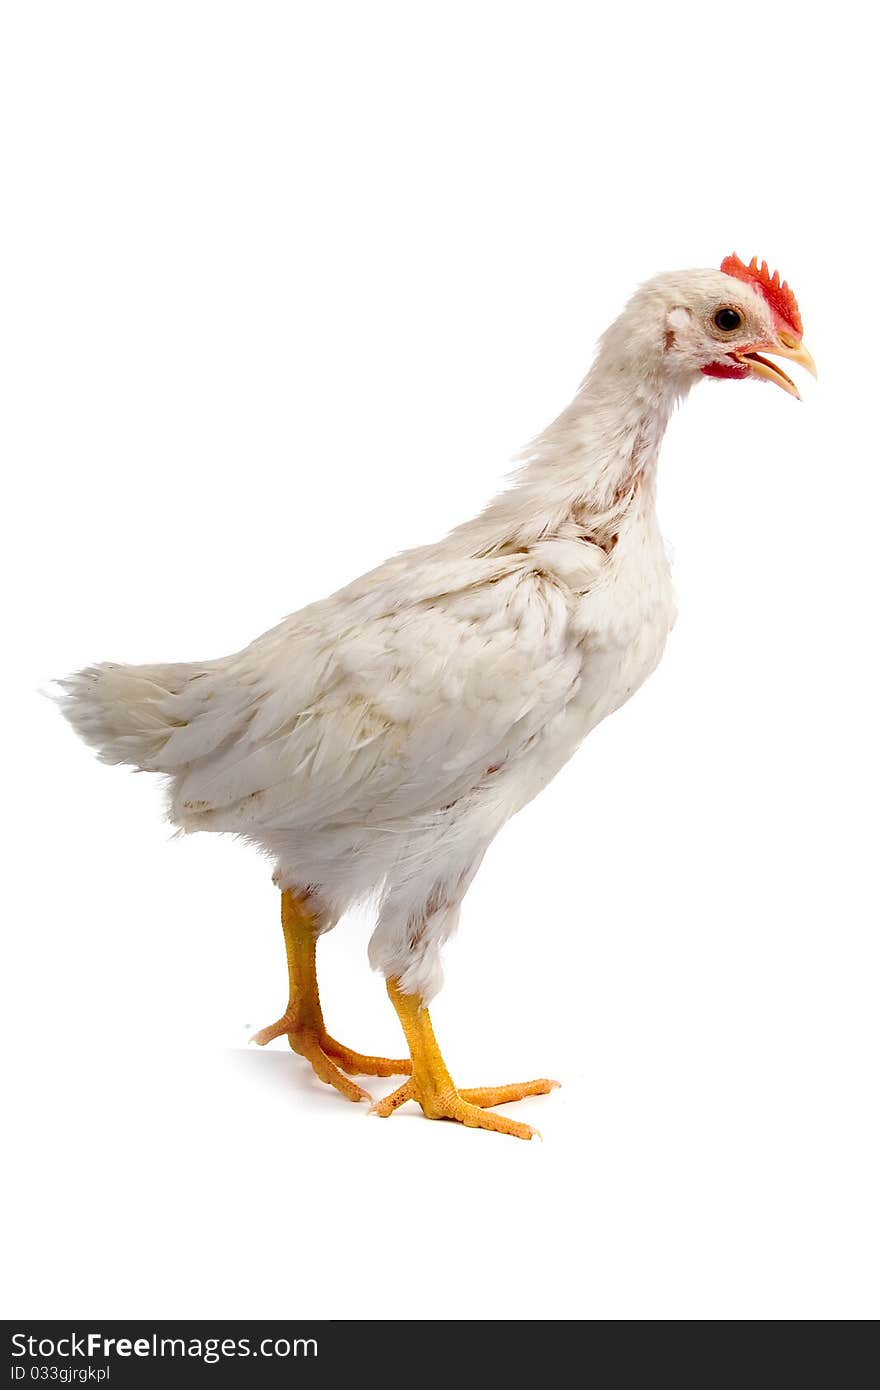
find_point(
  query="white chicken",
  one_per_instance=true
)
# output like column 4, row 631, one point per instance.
column 376, row 742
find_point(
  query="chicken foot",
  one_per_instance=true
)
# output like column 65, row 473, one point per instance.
column 303, row 1020
column 433, row 1087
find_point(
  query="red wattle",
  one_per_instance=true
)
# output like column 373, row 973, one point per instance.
column 725, row 369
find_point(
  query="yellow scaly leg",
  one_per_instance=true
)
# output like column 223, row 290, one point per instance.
column 303, row 1021
column 433, row 1087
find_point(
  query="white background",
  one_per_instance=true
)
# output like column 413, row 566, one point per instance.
column 286, row 287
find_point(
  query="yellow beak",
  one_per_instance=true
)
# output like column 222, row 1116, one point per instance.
column 786, row 347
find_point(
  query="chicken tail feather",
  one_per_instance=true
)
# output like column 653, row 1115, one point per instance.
column 128, row 713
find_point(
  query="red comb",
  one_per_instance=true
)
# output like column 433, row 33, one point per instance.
column 777, row 294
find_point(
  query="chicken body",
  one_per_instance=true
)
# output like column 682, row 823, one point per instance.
column 376, row 742
column 379, row 739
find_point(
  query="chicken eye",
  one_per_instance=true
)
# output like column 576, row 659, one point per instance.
column 728, row 320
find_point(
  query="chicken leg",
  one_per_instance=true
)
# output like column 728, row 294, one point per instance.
column 303, row 1021
column 433, row 1087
